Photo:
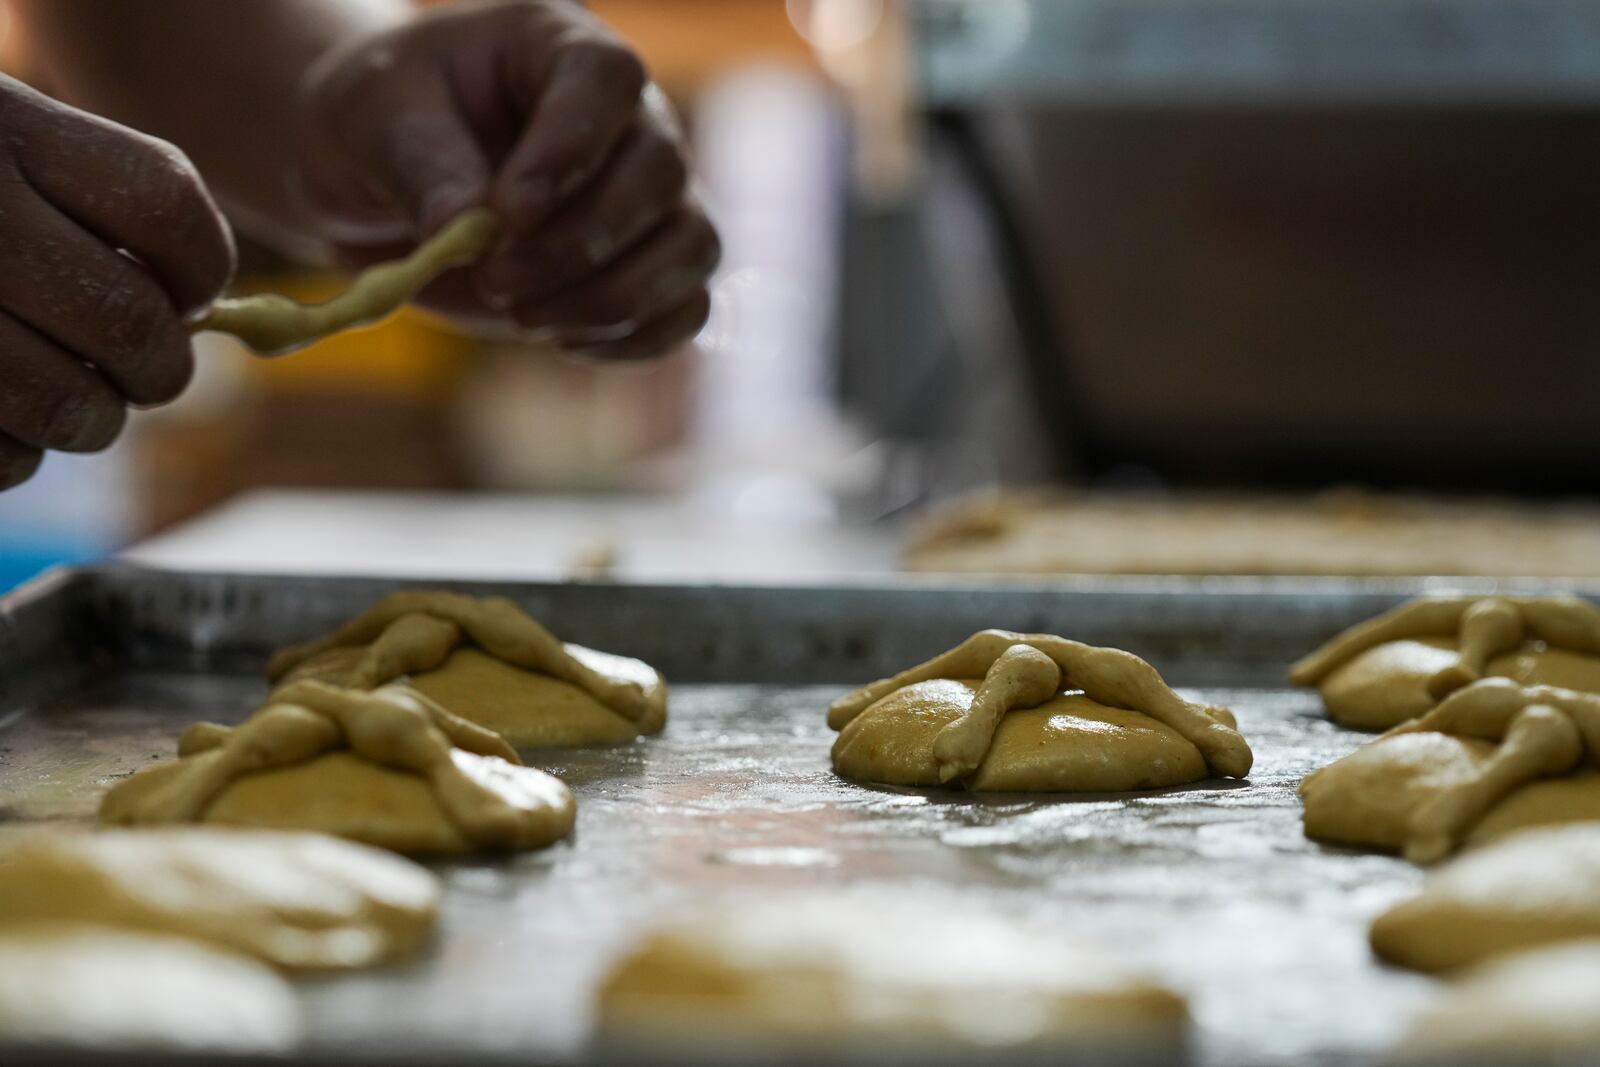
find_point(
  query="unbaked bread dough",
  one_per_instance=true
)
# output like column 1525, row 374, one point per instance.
column 1032, row 712
column 1430, row 783
column 1533, row 888
column 1395, row 667
column 387, row 767
column 1537, row 1004
column 488, row 662
column 816, row 972
column 294, row 900
column 273, row 324
column 89, row 986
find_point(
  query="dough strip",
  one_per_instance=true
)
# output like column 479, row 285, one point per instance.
column 273, row 324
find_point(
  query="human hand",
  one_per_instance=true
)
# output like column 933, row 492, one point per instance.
column 108, row 239
column 536, row 109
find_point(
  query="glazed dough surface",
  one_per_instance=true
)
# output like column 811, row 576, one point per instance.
column 1068, row 744
column 487, row 662
column 98, row 987
column 816, row 972
column 1531, row 889
column 1386, row 685
column 1536, row 1003
column 527, row 709
column 1368, row 797
column 1006, row 711
column 294, row 900
column 387, row 768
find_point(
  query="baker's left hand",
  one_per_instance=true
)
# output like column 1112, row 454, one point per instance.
column 535, row 108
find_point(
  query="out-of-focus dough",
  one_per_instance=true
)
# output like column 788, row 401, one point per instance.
column 295, row 900
column 487, row 662
column 1550, row 802
column 99, row 987
column 1032, row 712
column 387, row 768
column 1397, row 666
column 1340, row 533
column 817, row 972
column 1543, row 1003
column 1483, row 762
column 1530, row 889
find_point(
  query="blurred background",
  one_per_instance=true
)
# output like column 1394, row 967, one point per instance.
column 1119, row 245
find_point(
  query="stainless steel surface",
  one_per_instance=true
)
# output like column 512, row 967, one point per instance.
column 1212, row 886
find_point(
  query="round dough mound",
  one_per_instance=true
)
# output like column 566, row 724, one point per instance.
column 95, row 986
column 821, row 971
column 1534, row 888
column 1539, row 1003
column 1367, row 797
column 529, row 710
column 295, row 900
column 1388, row 684
column 1069, row 744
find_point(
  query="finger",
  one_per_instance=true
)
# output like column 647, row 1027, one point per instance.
column 73, row 289
column 580, row 113
column 660, row 272
column 426, row 156
column 142, row 195
column 656, row 338
column 643, row 184
column 18, row 462
column 51, row 399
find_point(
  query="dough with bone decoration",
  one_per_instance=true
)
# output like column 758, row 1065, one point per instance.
column 1398, row 665
column 303, row 901
column 1008, row 711
column 487, row 662
column 1531, row 889
column 1490, row 759
column 388, row 767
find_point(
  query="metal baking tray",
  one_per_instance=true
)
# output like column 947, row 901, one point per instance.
column 1211, row 886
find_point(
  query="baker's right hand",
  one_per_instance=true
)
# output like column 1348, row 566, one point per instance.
column 108, row 239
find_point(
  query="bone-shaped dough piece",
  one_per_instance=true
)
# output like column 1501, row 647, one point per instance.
column 1022, row 677
column 1106, row 675
column 1541, row 730
column 273, row 324
column 1483, row 626
column 410, row 632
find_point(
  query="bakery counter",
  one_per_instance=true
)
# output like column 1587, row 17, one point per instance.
column 535, row 538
